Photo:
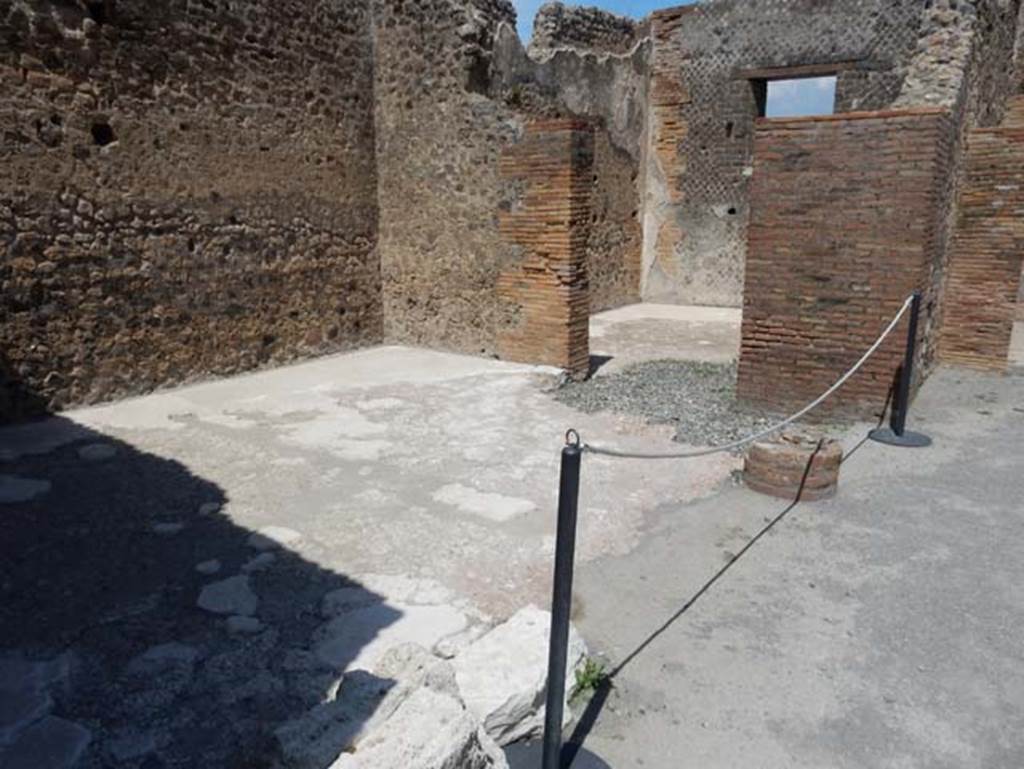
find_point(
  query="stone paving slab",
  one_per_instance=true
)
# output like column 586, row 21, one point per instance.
column 195, row 547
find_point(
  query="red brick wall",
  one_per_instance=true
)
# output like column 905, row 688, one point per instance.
column 1019, row 314
column 985, row 267
column 549, row 287
column 845, row 223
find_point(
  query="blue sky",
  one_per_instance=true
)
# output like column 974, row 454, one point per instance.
column 796, row 98
column 813, row 96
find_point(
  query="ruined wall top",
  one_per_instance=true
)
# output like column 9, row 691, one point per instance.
column 964, row 48
column 557, row 26
column 493, row 10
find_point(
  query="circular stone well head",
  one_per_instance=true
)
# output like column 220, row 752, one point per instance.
column 794, row 464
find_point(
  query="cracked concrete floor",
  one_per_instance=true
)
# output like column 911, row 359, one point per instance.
column 400, row 460
column 881, row 628
column 403, row 494
column 420, row 482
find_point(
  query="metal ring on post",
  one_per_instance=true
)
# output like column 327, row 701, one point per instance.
column 572, row 438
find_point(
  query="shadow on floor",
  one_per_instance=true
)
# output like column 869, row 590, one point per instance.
column 105, row 656
column 527, row 755
column 16, row 398
column 573, row 749
column 597, row 362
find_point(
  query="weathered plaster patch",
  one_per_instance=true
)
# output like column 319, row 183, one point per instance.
column 323, row 431
column 378, row 404
column 494, row 507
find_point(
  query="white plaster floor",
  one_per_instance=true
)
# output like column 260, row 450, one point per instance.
column 398, row 461
column 1017, row 344
column 420, row 487
column 430, row 479
column 640, row 332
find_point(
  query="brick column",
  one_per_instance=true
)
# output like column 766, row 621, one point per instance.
column 549, row 286
column 985, row 265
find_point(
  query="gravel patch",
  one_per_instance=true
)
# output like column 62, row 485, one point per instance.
column 698, row 398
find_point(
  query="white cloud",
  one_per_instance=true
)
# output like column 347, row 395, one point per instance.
column 794, row 98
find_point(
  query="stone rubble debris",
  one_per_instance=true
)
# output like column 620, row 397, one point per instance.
column 97, row 452
column 503, row 675
column 415, row 710
column 229, row 596
column 429, row 730
column 168, row 529
column 244, row 625
column 50, row 743
column 14, row 489
column 30, row 736
column 260, row 562
column 406, row 713
column 157, row 657
column 132, row 746
column 357, row 639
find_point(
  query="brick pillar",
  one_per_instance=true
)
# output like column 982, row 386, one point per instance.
column 985, row 265
column 554, row 163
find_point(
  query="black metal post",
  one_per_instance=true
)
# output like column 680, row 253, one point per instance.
column 561, row 601
column 898, row 422
column 896, row 434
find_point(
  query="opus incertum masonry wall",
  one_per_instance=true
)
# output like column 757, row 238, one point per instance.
column 186, row 190
column 195, row 189
column 192, row 189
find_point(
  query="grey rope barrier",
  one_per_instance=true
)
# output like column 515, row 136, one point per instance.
column 568, row 498
column 568, row 504
column 610, row 452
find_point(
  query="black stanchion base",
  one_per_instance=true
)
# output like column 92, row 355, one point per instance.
column 527, row 755
column 910, row 440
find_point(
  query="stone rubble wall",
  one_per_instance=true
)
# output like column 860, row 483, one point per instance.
column 1017, row 88
column 827, row 267
column 964, row 55
column 1019, row 311
column 614, row 238
column 610, row 91
column 204, row 188
column 186, row 190
column 455, row 94
column 964, row 61
column 439, row 141
column 207, row 188
column 588, row 29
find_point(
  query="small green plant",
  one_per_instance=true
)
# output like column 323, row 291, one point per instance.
column 515, row 96
column 590, row 676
